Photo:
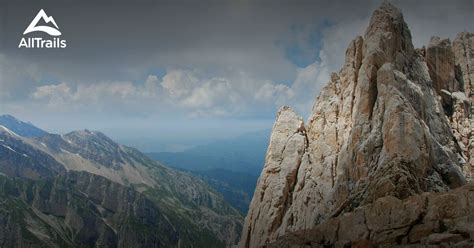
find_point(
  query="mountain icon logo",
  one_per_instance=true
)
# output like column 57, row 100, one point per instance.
column 47, row 29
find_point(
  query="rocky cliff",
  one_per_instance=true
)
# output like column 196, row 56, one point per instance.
column 441, row 219
column 393, row 122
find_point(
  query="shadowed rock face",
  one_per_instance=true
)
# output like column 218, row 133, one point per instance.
column 450, row 68
column 378, row 129
column 441, row 65
column 463, row 47
column 80, row 209
column 18, row 160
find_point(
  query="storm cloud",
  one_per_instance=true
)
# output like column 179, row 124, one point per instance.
column 189, row 61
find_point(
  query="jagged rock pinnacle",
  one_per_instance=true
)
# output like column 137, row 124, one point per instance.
column 377, row 129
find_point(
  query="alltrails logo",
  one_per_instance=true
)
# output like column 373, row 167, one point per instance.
column 39, row 42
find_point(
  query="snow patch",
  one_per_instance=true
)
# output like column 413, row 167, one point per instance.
column 9, row 148
column 65, row 151
column 68, row 152
column 9, row 131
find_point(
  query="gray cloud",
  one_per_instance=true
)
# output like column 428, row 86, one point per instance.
column 189, row 59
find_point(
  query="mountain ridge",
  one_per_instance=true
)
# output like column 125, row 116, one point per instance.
column 67, row 163
column 20, row 127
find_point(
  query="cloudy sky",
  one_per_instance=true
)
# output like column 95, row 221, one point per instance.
column 169, row 74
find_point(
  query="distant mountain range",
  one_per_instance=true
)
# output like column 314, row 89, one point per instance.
column 231, row 166
column 244, row 153
column 82, row 189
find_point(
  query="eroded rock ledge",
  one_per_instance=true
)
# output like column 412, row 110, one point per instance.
column 440, row 219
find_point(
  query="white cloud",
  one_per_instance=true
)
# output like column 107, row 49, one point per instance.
column 152, row 86
column 179, row 83
column 277, row 93
column 96, row 96
column 311, row 79
column 308, row 83
column 222, row 96
column 97, row 92
column 336, row 39
column 56, row 94
column 215, row 91
column 178, row 89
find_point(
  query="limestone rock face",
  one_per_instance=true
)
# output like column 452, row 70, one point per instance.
column 449, row 70
column 377, row 129
column 276, row 185
column 441, row 64
column 442, row 219
column 463, row 47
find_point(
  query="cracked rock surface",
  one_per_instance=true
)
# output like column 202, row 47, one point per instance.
column 440, row 219
column 381, row 132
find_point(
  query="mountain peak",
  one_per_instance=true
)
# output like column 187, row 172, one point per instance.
column 377, row 129
column 387, row 35
column 96, row 146
column 86, row 134
column 19, row 127
column 384, row 17
column 83, row 133
column 389, row 8
column 8, row 116
column 92, row 138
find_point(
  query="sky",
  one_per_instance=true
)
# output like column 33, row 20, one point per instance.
column 167, row 75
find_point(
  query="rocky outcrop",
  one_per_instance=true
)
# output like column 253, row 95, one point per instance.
column 449, row 70
column 463, row 47
column 378, row 129
column 428, row 219
column 284, row 157
column 441, row 65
